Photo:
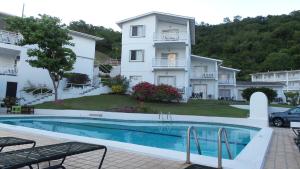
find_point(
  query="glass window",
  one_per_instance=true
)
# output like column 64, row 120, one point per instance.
column 295, row 110
column 137, row 31
column 137, row 55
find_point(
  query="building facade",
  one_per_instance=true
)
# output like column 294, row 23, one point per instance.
column 16, row 74
column 290, row 79
column 156, row 48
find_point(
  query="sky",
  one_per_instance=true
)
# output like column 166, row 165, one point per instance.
column 108, row 12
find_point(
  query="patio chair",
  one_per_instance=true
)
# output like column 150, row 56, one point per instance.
column 196, row 166
column 13, row 141
column 30, row 156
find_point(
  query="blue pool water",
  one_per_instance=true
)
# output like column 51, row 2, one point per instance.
column 166, row 135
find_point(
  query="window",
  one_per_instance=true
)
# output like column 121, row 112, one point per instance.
column 135, row 80
column 137, row 31
column 295, row 110
column 137, row 55
column 168, row 80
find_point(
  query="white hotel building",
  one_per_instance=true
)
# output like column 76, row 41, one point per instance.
column 290, row 78
column 16, row 74
column 156, row 48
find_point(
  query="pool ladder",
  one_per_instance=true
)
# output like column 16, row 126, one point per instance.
column 161, row 116
column 222, row 131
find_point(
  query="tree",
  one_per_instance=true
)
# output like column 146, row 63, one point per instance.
column 292, row 97
column 270, row 93
column 51, row 40
column 237, row 18
column 226, row 20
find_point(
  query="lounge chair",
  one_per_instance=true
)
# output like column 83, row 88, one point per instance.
column 196, row 166
column 13, row 141
column 30, row 156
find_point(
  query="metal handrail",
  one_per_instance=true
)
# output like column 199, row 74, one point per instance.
column 220, row 132
column 188, row 143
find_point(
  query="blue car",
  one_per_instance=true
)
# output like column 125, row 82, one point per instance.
column 280, row 119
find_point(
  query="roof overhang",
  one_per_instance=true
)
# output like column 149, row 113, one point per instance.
column 85, row 35
column 229, row 68
column 159, row 14
column 206, row 58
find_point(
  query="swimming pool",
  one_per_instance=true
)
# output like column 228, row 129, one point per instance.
column 165, row 135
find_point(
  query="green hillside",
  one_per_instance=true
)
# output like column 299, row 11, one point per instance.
column 253, row 44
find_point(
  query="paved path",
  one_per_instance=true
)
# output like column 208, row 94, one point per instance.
column 283, row 153
column 271, row 109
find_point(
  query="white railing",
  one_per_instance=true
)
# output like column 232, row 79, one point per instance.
column 203, row 75
column 12, row 71
column 9, row 37
column 226, row 81
column 165, row 62
column 170, row 36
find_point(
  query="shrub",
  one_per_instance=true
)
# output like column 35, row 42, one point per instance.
column 166, row 93
column 9, row 101
column 119, row 83
column 292, row 97
column 145, row 91
column 76, row 78
column 270, row 93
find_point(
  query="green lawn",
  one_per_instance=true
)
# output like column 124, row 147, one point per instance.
column 113, row 102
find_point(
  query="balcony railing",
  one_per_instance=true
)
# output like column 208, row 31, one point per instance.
column 12, row 71
column 203, row 75
column 170, row 36
column 9, row 37
column 168, row 63
column 226, row 81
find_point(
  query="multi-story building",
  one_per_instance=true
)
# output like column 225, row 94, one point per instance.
column 291, row 79
column 156, row 47
column 16, row 74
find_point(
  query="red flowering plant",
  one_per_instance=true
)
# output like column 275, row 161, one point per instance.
column 143, row 91
column 166, row 93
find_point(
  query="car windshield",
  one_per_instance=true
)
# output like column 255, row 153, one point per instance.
column 295, row 110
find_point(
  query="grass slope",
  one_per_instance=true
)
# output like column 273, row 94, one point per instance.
column 109, row 102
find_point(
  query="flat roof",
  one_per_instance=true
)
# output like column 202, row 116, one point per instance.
column 278, row 71
column 248, row 83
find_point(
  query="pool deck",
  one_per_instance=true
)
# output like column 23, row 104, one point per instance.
column 115, row 159
column 283, row 154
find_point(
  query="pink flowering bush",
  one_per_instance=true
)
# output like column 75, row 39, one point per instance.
column 145, row 91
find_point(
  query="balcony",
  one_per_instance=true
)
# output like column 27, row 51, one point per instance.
column 9, row 37
column 10, row 71
column 203, row 75
column 170, row 36
column 226, row 81
column 168, row 63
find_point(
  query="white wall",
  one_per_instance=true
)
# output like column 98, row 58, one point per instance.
column 144, row 43
column 211, row 65
column 212, row 86
column 83, row 47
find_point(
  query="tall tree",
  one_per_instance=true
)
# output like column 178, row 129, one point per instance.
column 52, row 40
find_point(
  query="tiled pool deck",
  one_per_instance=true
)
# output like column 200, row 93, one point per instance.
column 283, row 154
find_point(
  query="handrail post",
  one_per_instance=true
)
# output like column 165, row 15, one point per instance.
column 220, row 148
column 188, row 146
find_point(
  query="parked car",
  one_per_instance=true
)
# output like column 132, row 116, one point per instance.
column 280, row 119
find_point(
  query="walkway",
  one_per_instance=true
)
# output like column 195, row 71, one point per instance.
column 283, row 153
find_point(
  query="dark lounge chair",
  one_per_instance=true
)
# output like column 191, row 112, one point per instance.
column 196, row 166
column 13, row 141
column 30, row 156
